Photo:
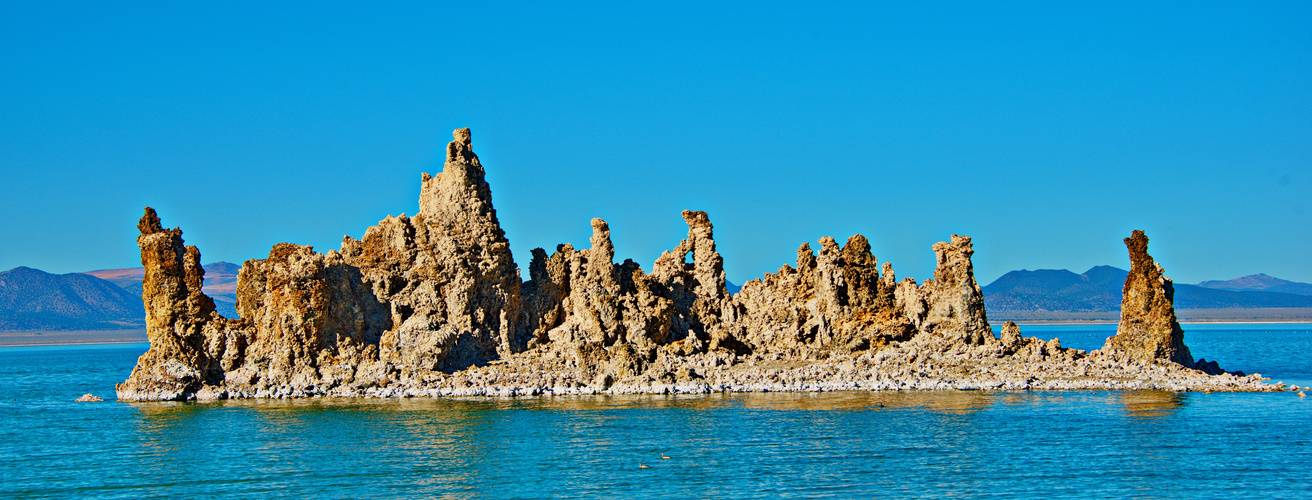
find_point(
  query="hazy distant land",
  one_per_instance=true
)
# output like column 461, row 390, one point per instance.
column 70, row 337
column 1221, row 315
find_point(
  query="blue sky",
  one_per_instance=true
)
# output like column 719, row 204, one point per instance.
column 1045, row 131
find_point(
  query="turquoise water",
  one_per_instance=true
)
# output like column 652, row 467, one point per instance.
column 838, row 445
column 1282, row 351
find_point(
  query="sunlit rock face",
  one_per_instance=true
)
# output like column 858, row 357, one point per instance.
column 435, row 292
column 432, row 304
column 832, row 302
column 1148, row 328
column 179, row 318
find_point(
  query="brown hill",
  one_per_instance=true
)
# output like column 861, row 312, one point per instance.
column 31, row 299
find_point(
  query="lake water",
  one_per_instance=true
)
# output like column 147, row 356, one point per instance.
column 1027, row 444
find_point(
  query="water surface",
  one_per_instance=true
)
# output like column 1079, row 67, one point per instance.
column 1025, row 444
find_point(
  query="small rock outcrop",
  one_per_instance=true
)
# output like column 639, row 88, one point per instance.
column 956, row 304
column 582, row 297
column 1148, row 328
column 433, row 305
column 88, row 398
column 832, row 302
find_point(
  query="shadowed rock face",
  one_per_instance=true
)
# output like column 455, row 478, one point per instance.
column 1148, row 328
column 434, row 302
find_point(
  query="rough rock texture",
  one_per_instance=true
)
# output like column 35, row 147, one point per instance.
column 447, row 273
column 954, row 304
column 582, row 297
column 432, row 305
column 180, row 320
column 1148, row 327
column 833, row 302
column 697, row 288
column 437, row 291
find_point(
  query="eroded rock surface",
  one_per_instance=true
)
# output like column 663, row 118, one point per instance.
column 433, row 305
column 1148, row 328
column 180, row 319
column 830, row 303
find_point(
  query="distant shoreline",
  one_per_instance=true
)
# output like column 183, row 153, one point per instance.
column 26, row 338
column 92, row 342
column 1189, row 322
column 1231, row 315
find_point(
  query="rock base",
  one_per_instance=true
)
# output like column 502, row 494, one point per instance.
column 911, row 365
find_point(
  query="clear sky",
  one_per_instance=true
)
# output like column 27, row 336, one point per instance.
column 1044, row 130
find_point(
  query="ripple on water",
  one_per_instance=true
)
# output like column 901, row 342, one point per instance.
column 839, row 445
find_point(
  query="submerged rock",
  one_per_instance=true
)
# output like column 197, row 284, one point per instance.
column 433, row 305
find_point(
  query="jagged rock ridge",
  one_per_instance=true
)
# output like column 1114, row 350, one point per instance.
column 433, row 304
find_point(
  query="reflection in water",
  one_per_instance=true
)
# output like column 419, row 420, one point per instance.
column 1022, row 444
column 450, row 411
column 809, row 444
column 951, row 402
column 1150, row 404
column 164, row 414
column 960, row 402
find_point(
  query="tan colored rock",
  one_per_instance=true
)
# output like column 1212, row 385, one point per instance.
column 951, row 306
column 697, row 289
column 182, row 357
column 446, row 273
column 88, row 398
column 545, row 291
column 1148, row 328
column 433, row 305
column 835, row 301
column 597, row 313
column 591, row 307
column 310, row 310
column 1010, row 338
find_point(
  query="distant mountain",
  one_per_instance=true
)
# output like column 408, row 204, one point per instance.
column 1099, row 290
column 110, row 299
column 31, row 299
column 220, row 283
column 1260, row 283
column 732, row 288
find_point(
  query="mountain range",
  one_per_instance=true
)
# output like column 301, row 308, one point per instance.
column 1260, row 282
column 110, row 299
column 1099, row 290
column 31, row 299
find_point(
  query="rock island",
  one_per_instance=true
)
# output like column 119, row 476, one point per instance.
column 434, row 305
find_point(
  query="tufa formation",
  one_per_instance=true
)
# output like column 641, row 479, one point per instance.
column 433, row 305
column 1148, row 328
